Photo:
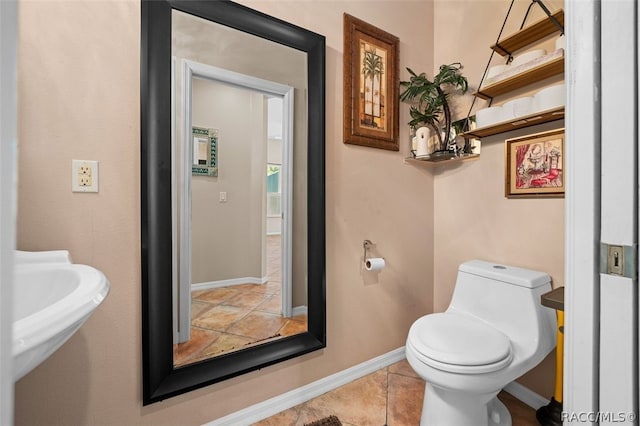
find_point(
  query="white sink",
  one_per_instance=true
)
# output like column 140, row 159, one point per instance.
column 53, row 298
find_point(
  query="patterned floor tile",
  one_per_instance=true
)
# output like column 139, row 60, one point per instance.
column 219, row 318
column 184, row 353
column 391, row 396
column 240, row 315
column 259, row 325
column 405, row 400
column 361, row 402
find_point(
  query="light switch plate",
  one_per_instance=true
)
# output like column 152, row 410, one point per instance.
column 84, row 176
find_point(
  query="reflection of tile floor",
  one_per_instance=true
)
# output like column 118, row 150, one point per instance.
column 391, row 396
column 230, row 318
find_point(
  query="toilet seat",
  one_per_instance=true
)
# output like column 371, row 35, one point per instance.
column 459, row 344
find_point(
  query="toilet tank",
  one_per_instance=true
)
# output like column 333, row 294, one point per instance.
column 504, row 296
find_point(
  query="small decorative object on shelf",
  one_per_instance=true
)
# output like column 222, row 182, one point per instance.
column 430, row 107
column 413, row 142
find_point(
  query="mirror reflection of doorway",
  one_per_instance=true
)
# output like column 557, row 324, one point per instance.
column 231, row 311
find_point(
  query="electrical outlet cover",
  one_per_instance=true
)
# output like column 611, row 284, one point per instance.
column 84, row 176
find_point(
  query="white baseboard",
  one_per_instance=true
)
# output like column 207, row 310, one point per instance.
column 299, row 310
column 526, row 395
column 272, row 406
column 225, row 283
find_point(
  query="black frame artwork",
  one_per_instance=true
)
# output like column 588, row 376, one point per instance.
column 161, row 379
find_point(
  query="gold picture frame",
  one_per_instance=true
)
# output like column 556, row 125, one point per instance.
column 371, row 84
column 534, row 165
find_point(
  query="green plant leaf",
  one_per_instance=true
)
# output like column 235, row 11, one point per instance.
column 430, row 99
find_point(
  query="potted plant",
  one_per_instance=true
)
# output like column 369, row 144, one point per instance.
column 430, row 101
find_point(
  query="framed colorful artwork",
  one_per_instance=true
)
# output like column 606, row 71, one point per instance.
column 534, row 165
column 371, row 84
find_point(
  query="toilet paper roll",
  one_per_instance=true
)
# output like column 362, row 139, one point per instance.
column 374, row 264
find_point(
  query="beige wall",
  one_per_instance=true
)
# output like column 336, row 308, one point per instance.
column 79, row 98
column 227, row 239
column 472, row 218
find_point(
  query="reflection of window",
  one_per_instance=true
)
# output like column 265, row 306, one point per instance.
column 274, row 183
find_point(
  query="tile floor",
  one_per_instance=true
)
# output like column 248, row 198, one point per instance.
column 230, row 318
column 391, row 396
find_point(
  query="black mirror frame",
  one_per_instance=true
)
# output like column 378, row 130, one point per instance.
column 160, row 379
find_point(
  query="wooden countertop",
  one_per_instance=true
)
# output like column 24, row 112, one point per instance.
column 554, row 299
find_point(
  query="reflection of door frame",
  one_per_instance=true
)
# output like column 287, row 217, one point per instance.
column 8, row 191
column 191, row 69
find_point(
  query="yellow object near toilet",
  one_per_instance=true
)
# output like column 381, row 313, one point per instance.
column 557, row 394
column 550, row 414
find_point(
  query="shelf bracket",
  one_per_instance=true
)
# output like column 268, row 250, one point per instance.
column 551, row 17
column 502, row 49
column 484, row 74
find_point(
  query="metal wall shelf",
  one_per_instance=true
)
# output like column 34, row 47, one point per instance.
column 440, row 159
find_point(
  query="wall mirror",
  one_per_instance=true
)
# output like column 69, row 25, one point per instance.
column 232, row 186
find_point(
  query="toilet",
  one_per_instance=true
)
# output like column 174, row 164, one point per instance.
column 493, row 331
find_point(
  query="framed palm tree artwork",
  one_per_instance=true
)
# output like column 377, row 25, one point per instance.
column 371, row 83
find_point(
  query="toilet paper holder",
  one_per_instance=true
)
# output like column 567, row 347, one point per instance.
column 374, row 263
column 366, row 245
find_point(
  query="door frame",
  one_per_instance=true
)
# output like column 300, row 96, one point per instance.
column 8, row 171
column 582, row 207
column 617, row 385
column 190, row 70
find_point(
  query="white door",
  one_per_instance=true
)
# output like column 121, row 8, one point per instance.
column 618, row 376
column 601, row 299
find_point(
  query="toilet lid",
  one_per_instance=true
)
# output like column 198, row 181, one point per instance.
column 459, row 340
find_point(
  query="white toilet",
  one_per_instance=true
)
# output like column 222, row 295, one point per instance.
column 494, row 331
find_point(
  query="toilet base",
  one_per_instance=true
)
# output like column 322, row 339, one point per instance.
column 443, row 407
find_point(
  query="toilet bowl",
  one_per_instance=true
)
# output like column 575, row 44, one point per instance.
column 493, row 331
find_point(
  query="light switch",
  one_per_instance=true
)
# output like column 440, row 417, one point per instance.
column 223, row 197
